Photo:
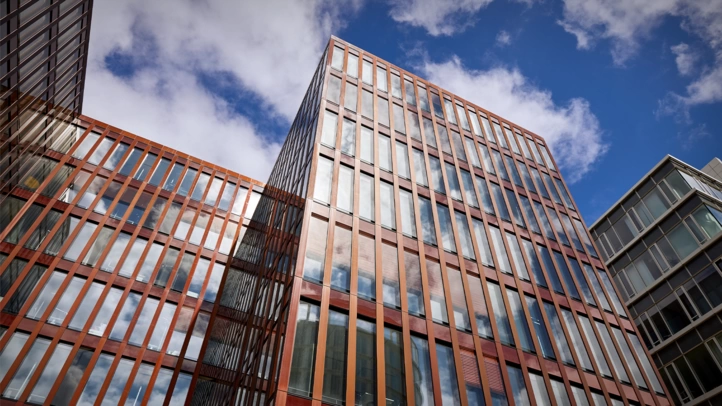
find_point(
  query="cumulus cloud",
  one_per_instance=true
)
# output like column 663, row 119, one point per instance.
column 268, row 49
column 571, row 129
column 685, row 58
column 437, row 17
column 503, row 38
column 627, row 23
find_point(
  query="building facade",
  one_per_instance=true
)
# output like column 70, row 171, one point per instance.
column 411, row 247
column 113, row 249
column 662, row 243
column 43, row 54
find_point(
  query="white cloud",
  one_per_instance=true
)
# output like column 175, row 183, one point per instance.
column 626, row 23
column 570, row 129
column 685, row 58
column 438, row 17
column 268, row 49
column 503, row 38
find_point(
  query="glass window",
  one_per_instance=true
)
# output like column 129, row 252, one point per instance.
column 115, row 157
column 173, row 177
column 540, row 329
column 366, row 267
column 394, row 362
column 682, row 241
column 402, row 161
column 414, row 287
column 469, row 192
column 19, row 381
column 420, row 168
column 125, row 316
column 367, row 73
column 214, row 282
column 328, row 134
column 539, row 389
column 566, row 275
column 381, row 79
column 315, row 250
column 487, row 129
column 437, row 295
column 160, row 329
column 483, row 324
column 337, row 58
column 130, row 162
column 577, row 341
column 390, row 272
column 81, row 239
column 437, row 179
column 27, row 284
column 179, row 331
column 62, row 307
column 160, row 171
column 324, row 177
column 458, row 300
column 565, row 195
column 517, row 257
column 145, row 167
column 515, row 210
column 252, row 204
column 485, row 195
column 447, row 375
column 100, row 323
column 91, row 298
column 646, row 365
column 500, row 315
column 348, row 137
column 333, row 92
column 352, row 65
column 458, row 146
column 612, row 352
column 196, row 340
column 527, row 178
column 429, row 133
column 366, row 362
column 427, row 221
column 423, row 99
column 186, row 183
column 151, row 258
column 408, row 222
column 119, row 380
column 399, row 124
column 599, row 358
column 341, row 261
column 444, row 138
column 500, row 165
column 350, row 98
column 447, row 232
column 423, row 385
column 367, row 104
column 448, row 106
column 467, row 247
column 539, row 209
column 213, row 192
column 414, row 128
column 388, row 210
column 180, row 392
column 629, row 358
column 182, row 272
column 200, row 187
column 50, row 373
column 500, row 136
column 520, row 320
column 454, row 186
column 500, row 203
column 166, row 267
column 409, row 90
column 227, row 197
column 334, row 374
column 46, row 295
column 498, row 243
column 366, row 196
column 618, row 306
column 383, row 110
column 385, row 153
column 483, row 242
column 97, row 377
column 518, row 387
column 344, row 200
column 367, row 145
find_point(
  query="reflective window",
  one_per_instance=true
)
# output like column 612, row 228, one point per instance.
column 337, row 58
column 200, row 187
column 423, row 384
column 79, row 242
column 500, row 315
column 125, row 316
column 390, row 272
column 482, row 242
column 454, row 186
column 148, row 265
column 173, row 177
column 367, row 145
column 527, row 178
column 447, row 232
column 333, row 91
column 70, row 380
column 414, row 127
column 19, row 381
column 481, row 313
column 385, row 162
column 498, row 243
column 485, row 195
column 368, row 73
column 366, row 267
column 429, row 133
column 180, row 392
column 46, row 295
column 414, row 287
column 594, row 345
column 381, row 79
column 436, row 293
column 383, row 110
column 214, row 282
column 367, row 104
column 644, row 360
column 540, row 329
column 447, row 375
column 341, row 261
column 344, row 200
column 539, row 209
column 538, row 389
column 350, row 98
column 576, row 337
column 186, row 183
column 117, row 383
column 160, row 330
column 145, row 167
column 388, row 209
column 408, row 222
column 352, row 65
column 526, row 208
column 420, row 168
column 565, row 195
column 520, row 321
column 49, row 374
column 334, row 374
column 566, row 275
column 91, row 298
column 402, row 161
column 166, row 267
column 500, row 204
column 560, row 393
column 95, row 382
column 100, row 323
column 324, row 177
column 558, row 227
column 130, row 162
column 366, row 196
column 366, row 362
column 427, row 221
column 27, row 285
column 315, row 250
column 437, row 179
column 518, row 387
column 160, row 171
column 444, row 138
column 348, row 137
column 114, row 158
column 394, row 366
column 612, row 352
column 399, row 124
column 629, row 358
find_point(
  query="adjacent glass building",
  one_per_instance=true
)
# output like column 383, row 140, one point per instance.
column 411, row 247
column 662, row 243
column 43, row 51
column 112, row 251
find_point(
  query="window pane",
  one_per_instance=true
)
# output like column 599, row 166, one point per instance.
column 483, row 242
column 92, row 296
column 629, row 358
column 427, row 221
column 131, row 161
column 110, row 303
column 394, row 361
column 348, row 137
column 454, row 187
column 50, row 373
column 145, row 167
column 520, row 320
column 539, row 327
column 594, row 345
column 447, row 375
column 516, row 255
column 46, row 295
column 467, row 247
column 420, row 168
column 367, row 104
column 539, row 389
column 350, row 97
column 444, row 138
column 337, row 58
column 160, row 171
column 79, row 242
column 162, row 325
column 564, row 270
column 117, row 383
column 485, row 195
column 173, row 177
column 447, row 232
column 19, row 381
column 186, row 183
column 469, row 192
column 577, row 341
column 437, row 180
column 498, row 243
column 390, row 271
column 125, row 316
column 518, row 387
column 429, row 133
column 500, row 316
column 436, row 293
column 324, row 176
column 612, row 352
column 365, row 362
column 367, row 145
column 618, row 306
column 381, row 79
column 408, row 223
column 214, row 282
column 646, row 365
column 366, row 267
column 95, row 382
column 315, row 250
column 500, row 203
column 399, row 124
column 341, row 268
column 423, row 385
column 388, row 210
column 383, row 110
column 334, row 374
column 344, row 200
column 402, row 161
column 200, row 187
column 414, row 287
column 352, row 65
column 385, row 162
column 414, row 127
column 62, row 307
column 333, row 92
column 366, row 194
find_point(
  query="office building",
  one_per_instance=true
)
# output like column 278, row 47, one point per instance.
column 412, row 247
column 112, row 251
column 43, row 54
column 662, row 243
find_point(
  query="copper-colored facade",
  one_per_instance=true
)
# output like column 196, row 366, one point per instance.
column 414, row 248
column 112, row 253
column 662, row 243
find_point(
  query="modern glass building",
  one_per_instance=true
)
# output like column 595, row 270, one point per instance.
column 43, row 51
column 411, row 247
column 112, row 251
column 662, row 243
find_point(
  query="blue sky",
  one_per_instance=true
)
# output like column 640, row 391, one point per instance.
column 613, row 85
